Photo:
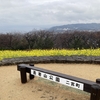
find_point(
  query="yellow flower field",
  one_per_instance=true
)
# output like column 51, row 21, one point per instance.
column 52, row 52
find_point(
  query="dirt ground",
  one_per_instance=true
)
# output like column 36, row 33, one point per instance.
column 11, row 87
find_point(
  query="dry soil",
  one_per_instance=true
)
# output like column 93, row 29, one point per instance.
column 11, row 87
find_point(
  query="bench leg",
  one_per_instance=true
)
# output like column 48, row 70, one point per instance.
column 31, row 76
column 95, row 92
column 23, row 74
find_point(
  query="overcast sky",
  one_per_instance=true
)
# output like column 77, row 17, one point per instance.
column 26, row 15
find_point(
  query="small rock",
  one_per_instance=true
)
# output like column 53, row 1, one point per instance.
column 43, row 97
column 39, row 89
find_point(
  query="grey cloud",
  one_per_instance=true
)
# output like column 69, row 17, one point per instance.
column 48, row 12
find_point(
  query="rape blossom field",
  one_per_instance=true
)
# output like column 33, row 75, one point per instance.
column 52, row 52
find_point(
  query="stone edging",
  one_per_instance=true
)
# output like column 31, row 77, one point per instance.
column 51, row 59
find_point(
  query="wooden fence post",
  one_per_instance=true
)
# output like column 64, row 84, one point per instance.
column 95, row 92
column 23, row 74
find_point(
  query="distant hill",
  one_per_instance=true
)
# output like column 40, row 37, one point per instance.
column 77, row 27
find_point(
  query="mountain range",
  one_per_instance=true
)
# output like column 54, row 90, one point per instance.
column 76, row 27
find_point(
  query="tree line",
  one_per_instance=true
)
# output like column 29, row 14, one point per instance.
column 43, row 39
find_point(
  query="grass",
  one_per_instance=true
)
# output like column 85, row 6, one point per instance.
column 52, row 52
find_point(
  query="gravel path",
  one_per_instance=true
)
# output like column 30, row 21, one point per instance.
column 39, row 89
